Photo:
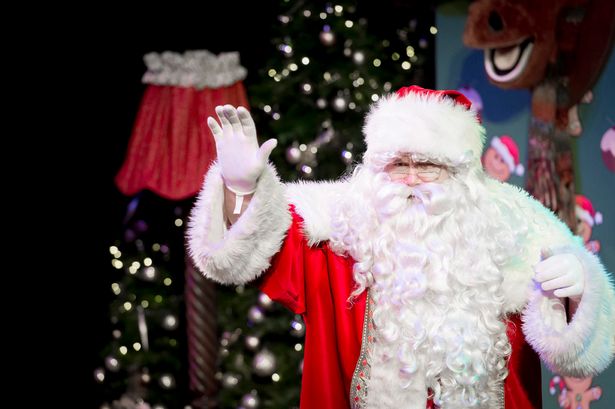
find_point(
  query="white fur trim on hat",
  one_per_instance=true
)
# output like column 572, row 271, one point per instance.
column 430, row 125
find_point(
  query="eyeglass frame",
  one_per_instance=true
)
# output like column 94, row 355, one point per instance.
column 413, row 170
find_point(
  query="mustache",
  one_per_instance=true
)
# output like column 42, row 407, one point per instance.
column 435, row 197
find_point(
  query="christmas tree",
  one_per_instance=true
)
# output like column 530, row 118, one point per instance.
column 144, row 365
column 326, row 68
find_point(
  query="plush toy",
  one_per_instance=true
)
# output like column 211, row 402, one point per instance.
column 557, row 49
column 587, row 218
column 574, row 393
column 501, row 158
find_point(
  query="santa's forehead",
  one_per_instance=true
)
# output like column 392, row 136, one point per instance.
column 413, row 157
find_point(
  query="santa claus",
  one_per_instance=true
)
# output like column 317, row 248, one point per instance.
column 421, row 280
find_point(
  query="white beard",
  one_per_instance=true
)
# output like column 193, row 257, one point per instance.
column 436, row 289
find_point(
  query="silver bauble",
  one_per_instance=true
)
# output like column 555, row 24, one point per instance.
column 229, row 380
column 112, row 363
column 358, row 57
column 264, row 363
column 169, row 322
column 252, row 342
column 327, row 38
column 167, row 381
column 99, row 375
column 293, row 154
column 250, row 400
column 340, row 104
column 255, row 314
column 297, row 328
column 264, row 301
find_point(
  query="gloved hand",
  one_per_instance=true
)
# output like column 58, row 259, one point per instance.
column 240, row 158
column 562, row 273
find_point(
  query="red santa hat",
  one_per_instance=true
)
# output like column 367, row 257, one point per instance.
column 509, row 151
column 437, row 124
column 584, row 210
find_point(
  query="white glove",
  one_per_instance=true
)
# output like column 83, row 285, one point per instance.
column 562, row 273
column 240, row 158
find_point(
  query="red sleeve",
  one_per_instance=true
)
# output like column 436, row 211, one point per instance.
column 284, row 282
column 523, row 383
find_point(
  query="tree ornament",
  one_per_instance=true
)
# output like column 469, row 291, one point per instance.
column 358, row 57
column 229, row 380
column 327, row 37
column 293, row 154
column 252, row 342
column 112, row 363
column 99, row 375
column 340, row 104
column 264, row 301
column 167, row 381
column 297, row 328
column 264, row 363
column 255, row 314
column 347, row 157
column 250, row 400
column 169, row 322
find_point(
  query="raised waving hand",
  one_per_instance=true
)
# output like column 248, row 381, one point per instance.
column 241, row 160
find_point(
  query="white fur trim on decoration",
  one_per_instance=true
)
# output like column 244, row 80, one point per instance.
column 199, row 69
column 314, row 202
column 519, row 170
column 586, row 345
column 240, row 254
column 584, row 215
column 423, row 124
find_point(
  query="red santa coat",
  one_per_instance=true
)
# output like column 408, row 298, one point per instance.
column 316, row 283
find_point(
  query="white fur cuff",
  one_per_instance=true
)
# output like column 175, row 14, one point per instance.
column 243, row 252
column 585, row 346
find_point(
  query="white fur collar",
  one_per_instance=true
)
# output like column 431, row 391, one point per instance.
column 314, row 202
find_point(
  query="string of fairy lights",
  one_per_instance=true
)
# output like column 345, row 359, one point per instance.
column 144, row 316
column 330, row 91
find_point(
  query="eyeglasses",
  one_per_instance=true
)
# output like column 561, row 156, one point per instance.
column 425, row 171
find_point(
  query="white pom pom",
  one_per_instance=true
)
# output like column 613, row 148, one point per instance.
column 598, row 218
column 519, row 170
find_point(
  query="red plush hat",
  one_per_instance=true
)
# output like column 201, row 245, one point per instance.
column 585, row 211
column 435, row 123
column 509, row 151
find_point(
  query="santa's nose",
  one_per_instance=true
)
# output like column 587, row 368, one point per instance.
column 411, row 180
